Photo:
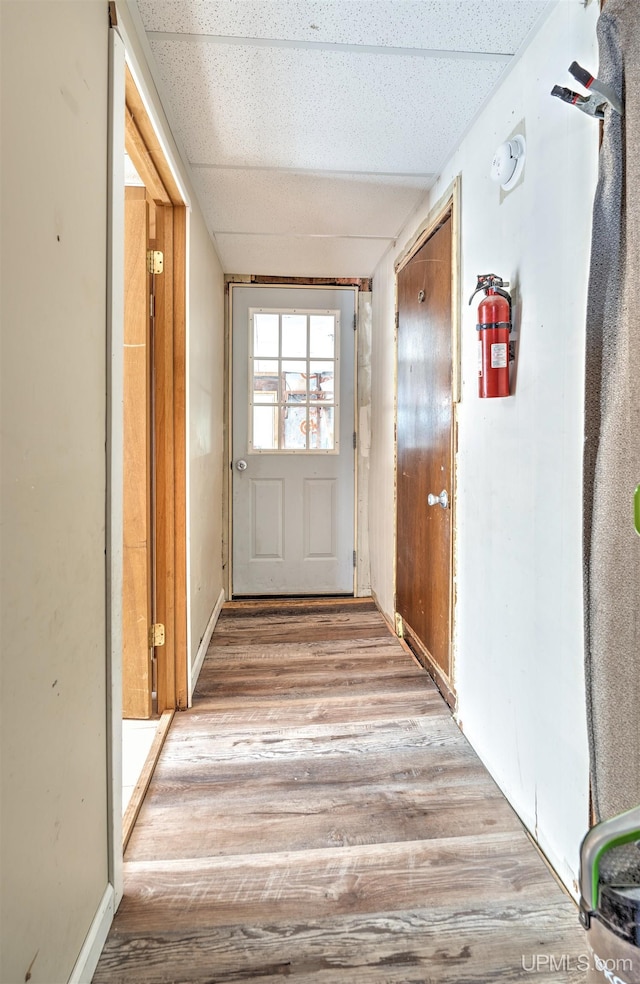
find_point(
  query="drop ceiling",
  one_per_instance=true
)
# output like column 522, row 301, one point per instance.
column 312, row 130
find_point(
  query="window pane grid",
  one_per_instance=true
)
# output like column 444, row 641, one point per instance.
column 293, row 384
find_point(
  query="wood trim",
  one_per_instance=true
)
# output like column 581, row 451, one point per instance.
column 138, row 795
column 362, row 283
column 137, row 535
column 154, row 153
column 143, row 162
column 164, row 464
column 277, row 604
column 456, row 396
column 169, row 410
column 180, row 453
column 413, row 645
column 456, row 296
column 436, row 217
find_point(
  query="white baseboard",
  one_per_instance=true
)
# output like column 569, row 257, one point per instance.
column 89, row 955
column 204, row 643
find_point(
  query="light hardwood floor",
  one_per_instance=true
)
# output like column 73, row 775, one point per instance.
column 318, row 816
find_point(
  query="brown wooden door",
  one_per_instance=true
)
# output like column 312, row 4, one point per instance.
column 137, row 558
column 424, row 462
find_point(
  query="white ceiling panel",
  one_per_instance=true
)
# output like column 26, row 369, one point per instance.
column 313, row 204
column 299, row 108
column 312, row 128
column 462, row 25
column 303, row 256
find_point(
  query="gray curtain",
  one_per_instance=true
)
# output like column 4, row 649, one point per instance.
column 612, row 431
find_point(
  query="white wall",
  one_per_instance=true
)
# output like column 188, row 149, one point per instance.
column 53, row 700
column 518, row 640
column 382, row 449
column 206, row 413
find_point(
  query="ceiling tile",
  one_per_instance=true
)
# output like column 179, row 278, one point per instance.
column 294, row 204
column 316, row 127
column 281, row 256
column 467, row 25
column 317, row 110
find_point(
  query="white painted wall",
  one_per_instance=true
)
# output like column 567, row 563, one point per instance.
column 53, row 698
column 519, row 643
column 206, row 433
column 382, row 438
column 54, row 861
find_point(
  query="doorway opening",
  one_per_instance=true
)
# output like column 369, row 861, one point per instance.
column 292, row 440
column 154, row 598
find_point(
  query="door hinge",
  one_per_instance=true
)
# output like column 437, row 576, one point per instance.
column 156, row 635
column 355, row 322
column 355, row 558
column 399, row 626
column 355, row 440
column 397, row 320
column 155, row 261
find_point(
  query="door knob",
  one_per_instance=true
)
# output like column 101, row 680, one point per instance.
column 442, row 499
column 241, row 465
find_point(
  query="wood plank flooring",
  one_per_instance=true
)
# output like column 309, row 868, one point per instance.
column 317, row 815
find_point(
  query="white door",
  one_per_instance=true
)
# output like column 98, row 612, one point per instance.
column 293, row 437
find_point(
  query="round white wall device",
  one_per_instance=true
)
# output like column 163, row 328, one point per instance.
column 508, row 162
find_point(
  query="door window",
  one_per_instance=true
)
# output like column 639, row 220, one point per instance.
column 293, row 387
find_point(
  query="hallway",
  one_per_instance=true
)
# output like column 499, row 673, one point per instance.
column 318, row 815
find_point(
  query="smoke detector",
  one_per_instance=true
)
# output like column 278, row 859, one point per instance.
column 508, row 162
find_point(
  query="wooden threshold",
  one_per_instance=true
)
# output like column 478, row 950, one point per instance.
column 326, row 601
column 139, row 793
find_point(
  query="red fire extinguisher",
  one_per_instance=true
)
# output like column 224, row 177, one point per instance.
column 494, row 327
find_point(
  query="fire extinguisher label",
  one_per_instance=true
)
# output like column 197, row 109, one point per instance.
column 499, row 355
column 479, row 357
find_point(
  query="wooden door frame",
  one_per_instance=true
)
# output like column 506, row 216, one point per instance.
column 137, row 442
column 169, row 423
column 448, row 205
column 124, row 50
column 293, row 283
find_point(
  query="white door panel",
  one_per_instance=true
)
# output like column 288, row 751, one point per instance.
column 320, row 517
column 293, row 424
column 266, row 521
